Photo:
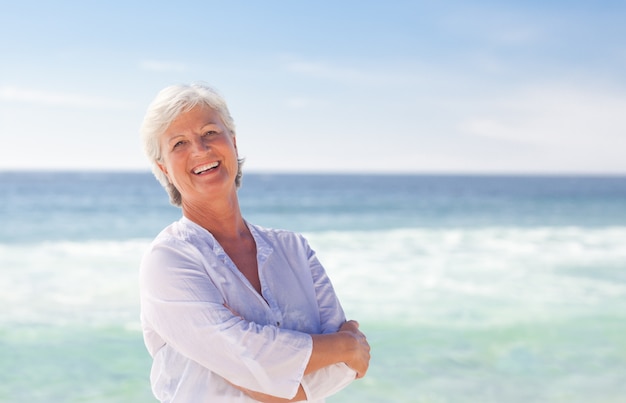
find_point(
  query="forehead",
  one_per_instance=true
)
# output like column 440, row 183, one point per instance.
column 193, row 120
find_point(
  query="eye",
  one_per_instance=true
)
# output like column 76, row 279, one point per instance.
column 210, row 133
column 178, row 144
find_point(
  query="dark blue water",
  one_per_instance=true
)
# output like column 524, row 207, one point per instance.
column 88, row 205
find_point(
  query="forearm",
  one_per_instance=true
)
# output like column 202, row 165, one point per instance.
column 328, row 349
column 348, row 345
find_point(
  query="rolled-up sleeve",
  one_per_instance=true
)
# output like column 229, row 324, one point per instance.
column 329, row 380
column 183, row 307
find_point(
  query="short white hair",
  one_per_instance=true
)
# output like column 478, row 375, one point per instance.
column 169, row 103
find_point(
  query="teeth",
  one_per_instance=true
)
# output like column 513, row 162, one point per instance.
column 206, row 167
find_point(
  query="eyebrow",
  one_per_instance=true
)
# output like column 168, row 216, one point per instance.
column 173, row 137
column 202, row 128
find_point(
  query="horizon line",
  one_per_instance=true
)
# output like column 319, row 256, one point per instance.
column 502, row 173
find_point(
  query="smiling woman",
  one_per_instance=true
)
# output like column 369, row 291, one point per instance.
column 230, row 310
column 164, row 112
column 198, row 154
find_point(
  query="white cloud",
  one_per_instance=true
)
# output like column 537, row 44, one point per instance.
column 351, row 75
column 163, row 66
column 499, row 27
column 554, row 117
column 25, row 95
column 303, row 103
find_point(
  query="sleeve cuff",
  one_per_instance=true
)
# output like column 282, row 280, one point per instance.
column 327, row 381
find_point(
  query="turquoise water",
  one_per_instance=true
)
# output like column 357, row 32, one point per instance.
column 470, row 289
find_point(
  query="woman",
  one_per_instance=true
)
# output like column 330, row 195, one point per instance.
column 232, row 312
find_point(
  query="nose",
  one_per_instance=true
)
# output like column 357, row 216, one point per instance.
column 200, row 145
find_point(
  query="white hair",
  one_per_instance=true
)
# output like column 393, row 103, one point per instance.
column 169, row 103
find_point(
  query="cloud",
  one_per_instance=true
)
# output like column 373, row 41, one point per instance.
column 296, row 103
column 554, row 117
column 498, row 27
column 163, row 66
column 351, row 75
column 24, row 95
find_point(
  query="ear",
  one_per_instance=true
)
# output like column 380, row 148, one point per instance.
column 235, row 145
column 164, row 170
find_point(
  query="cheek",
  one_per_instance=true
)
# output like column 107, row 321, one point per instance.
column 170, row 165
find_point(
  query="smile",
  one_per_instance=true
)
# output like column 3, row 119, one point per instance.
column 204, row 168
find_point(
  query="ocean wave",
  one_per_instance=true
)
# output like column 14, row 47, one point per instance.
column 451, row 277
column 481, row 276
column 66, row 282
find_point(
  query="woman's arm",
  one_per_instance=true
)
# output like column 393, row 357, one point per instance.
column 321, row 383
column 261, row 397
column 348, row 345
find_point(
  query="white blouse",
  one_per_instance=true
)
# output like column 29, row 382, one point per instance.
column 200, row 347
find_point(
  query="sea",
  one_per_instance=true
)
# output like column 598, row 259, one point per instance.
column 470, row 288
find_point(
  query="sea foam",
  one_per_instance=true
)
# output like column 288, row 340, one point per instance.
column 459, row 276
column 476, row 276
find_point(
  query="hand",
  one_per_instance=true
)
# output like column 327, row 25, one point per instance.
column 360, row 348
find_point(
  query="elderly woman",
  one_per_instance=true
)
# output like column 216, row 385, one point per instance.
column 231, row 311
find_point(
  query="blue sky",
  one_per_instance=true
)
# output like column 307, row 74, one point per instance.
column 326, row 86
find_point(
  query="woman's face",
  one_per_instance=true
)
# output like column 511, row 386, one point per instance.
column 199, row 154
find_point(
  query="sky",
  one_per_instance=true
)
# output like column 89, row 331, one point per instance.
column 453, row 87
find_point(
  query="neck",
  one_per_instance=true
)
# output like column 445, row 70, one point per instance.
column 222, row 218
